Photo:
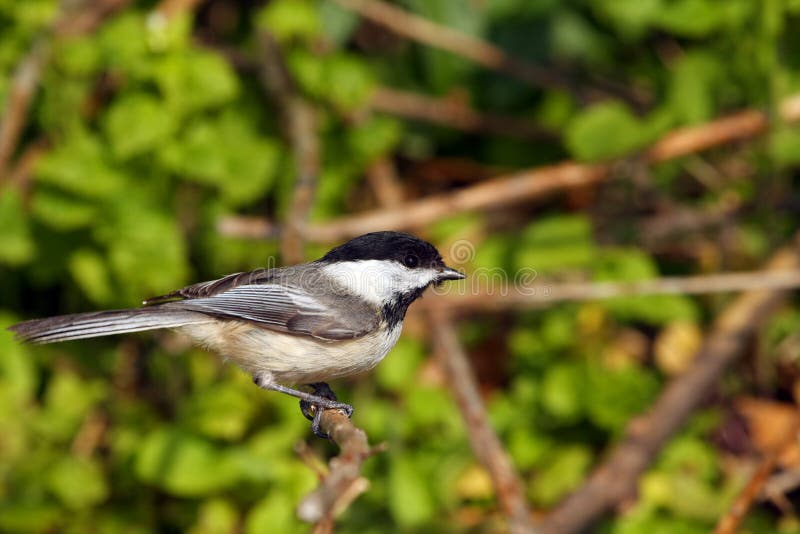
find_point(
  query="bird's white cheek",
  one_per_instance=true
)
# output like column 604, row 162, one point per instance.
column 378, row 281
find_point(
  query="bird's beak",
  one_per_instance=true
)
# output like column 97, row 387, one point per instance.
column 446, row 273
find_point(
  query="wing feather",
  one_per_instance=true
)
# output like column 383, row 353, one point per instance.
column 286, row 308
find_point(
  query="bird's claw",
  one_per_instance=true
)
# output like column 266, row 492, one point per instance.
column 313, row 410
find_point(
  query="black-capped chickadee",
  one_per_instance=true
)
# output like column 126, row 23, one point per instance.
column 304, row 324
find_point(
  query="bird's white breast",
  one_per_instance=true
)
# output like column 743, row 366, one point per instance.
column 292, row 359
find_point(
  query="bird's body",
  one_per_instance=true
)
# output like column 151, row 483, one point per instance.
column 304, row 324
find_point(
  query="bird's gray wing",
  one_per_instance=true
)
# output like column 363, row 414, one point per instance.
column 213, row 287
column 286, row 308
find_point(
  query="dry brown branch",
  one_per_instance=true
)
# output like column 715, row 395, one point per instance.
column 773, row 429
column 527, row 185
column 455, row 113
column 382, row 177
column 481, row 52
column 300, row 125
column 247, row 227
column 23, row 87
column 617, row 477
column 172, row 8
column 89, row 15
column 729, row 523
column 344, row 482
column 547, row 294
column 484, row 441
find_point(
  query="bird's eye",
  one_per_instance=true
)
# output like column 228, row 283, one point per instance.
column 411, row 261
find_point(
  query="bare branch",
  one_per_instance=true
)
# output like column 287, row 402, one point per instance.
column 300, row 125
column 729, row 523
column 23, row 87
column 481, row 52
column 455, row 113
column 547, row 294
column 485, row 443
column 532, row 184
column 344, row 482
column 617, row 477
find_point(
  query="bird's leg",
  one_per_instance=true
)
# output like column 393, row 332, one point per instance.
column 311, row 404
column 313, row 412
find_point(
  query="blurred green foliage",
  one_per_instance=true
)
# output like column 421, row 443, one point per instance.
column 153, row 133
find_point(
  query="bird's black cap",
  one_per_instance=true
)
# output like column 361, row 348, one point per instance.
column 404, row 248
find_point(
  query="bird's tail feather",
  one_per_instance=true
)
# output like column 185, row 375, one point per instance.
column 104, row 323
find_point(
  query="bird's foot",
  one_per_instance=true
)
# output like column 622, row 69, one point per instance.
column 325, row 399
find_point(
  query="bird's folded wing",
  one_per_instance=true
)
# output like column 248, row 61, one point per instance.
column 287, row 309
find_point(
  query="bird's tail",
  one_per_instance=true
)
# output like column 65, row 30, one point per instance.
column 104, row 323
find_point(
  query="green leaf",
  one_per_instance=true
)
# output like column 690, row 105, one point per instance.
column 563, row 391
column 691, row 18
column 195, row 80
column 28, row 517
column 222, row 411
column 374, row 138
column 145, row 248
column 399, row 368
column 442, row 69
column 89, row 270
column 227, row 153
column 16, row 245
column 605, row 131
column 77, row 56
column 123, row 43
column 410, row 500
column 630, row 19
column 138, row 123
column 339, row 24
column 68, row 400
column 784, row 145
column 185, row 465
column 18, row 374
column 691, row 93
column 554, row 243
column 290, row 19
column 62, row 211
column 562, row 473
column 342, row 79
column 78, row 482
column 613, row 397
column 216, row 516
column 273, row 514
column 348, row 81
column 80, row 165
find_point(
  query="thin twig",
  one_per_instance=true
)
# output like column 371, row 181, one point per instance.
column 479, row 51
column 617, row 477
column 526, row 185
column 344, row 482
column 485, row 443
column 170, row 9
column 23, row 87
column 455, row 113
column 300, row 124
column 382, row 177
column 729, row 523
column 546, row 294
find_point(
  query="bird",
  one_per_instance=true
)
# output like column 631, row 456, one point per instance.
column 301, row 325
